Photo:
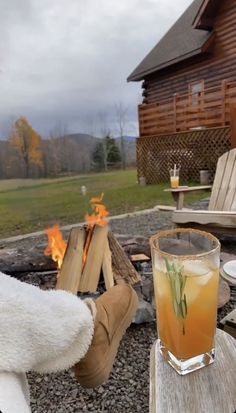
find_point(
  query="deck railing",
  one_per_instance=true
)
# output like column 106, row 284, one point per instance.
column 209, row 108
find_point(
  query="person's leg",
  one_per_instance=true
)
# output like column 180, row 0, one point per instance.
column 113, row 312
column 49, row 331
column 43, row 331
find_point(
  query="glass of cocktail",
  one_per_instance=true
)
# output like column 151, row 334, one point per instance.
column 174, row 178
column 186, row 274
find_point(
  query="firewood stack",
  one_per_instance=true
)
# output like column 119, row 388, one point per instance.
column 90, row 253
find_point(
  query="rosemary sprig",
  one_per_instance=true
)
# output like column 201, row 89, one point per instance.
column 177, row 283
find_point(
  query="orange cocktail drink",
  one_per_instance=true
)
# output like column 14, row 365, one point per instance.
column 186, row 274
column 174, row 181
column 174, row 178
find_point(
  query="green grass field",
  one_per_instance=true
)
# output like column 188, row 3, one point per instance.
column 32, row 205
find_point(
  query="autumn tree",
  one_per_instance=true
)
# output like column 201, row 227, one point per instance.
column 28, row 145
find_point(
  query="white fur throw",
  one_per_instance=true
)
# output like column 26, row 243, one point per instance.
column 44, row 331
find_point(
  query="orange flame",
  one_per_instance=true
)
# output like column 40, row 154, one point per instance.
column 56, row 245
column 97, row 218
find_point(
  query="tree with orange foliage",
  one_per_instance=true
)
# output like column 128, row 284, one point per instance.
column 27, row 143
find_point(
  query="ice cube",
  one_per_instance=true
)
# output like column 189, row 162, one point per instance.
column 198, row 269
column 203, row 280
column 193, row 268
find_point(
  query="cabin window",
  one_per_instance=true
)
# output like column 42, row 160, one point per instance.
column 195, row 90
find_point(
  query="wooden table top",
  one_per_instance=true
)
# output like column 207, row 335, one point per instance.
column 211, row 389
column 188, row 188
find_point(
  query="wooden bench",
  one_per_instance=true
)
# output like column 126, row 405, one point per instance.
column 220, row 216
column 211, row 389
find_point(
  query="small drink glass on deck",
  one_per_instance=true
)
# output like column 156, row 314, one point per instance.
column 174, row 178
column 186, row 275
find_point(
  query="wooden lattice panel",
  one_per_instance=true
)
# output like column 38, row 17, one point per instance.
column 191, row 150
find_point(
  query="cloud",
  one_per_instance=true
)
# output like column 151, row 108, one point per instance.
column 67, row 61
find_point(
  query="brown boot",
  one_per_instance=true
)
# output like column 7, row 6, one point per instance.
column 115, row 311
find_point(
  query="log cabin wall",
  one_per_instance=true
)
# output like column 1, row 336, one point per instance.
column 217, row 65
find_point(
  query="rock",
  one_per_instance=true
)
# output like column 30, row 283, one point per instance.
column 147, row 290
column 223, row 293
column 225, row 256
column 74, row 393
column 144, row 313
column 134, row 245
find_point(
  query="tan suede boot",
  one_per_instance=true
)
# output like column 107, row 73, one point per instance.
column 115, row 311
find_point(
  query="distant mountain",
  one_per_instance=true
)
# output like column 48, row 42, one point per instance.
column 70, row 152
column 82, row 139
column 87, row 143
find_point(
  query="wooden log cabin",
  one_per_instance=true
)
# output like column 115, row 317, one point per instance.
column 189, row 87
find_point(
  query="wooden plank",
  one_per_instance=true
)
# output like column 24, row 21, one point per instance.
column 201, row 391
column 166, row 207
column 139, row 257
column 233, row 124
column 230, row 199
column 92, row 270
column 70, row 273
column 225, row 181
column 220, row 169
column 218, row 218
column 107, row 266
column 188, row 188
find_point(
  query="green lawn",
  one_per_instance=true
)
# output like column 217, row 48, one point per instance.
column 31, row 205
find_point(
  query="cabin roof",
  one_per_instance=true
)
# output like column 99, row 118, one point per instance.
column 207, row 11
column 179, row 43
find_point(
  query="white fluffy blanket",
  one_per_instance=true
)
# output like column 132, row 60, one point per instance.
column 42, row 331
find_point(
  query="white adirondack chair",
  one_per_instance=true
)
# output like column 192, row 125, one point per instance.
column 221, row 214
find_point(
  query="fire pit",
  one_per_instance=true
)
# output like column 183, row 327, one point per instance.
column 91, row 252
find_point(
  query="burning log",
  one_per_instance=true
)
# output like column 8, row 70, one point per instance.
column 69, row 276
column 104, row 257
column 122, row 268
column 21, row 259
column 94, row 259
column 107, row 266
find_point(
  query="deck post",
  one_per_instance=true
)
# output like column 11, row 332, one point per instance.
column 233, row 124
column 174, row 112
column 223, row 91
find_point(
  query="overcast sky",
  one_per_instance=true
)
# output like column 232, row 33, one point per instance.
column 64, row 63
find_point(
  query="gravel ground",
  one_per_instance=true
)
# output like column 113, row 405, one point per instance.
column 127, row 390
